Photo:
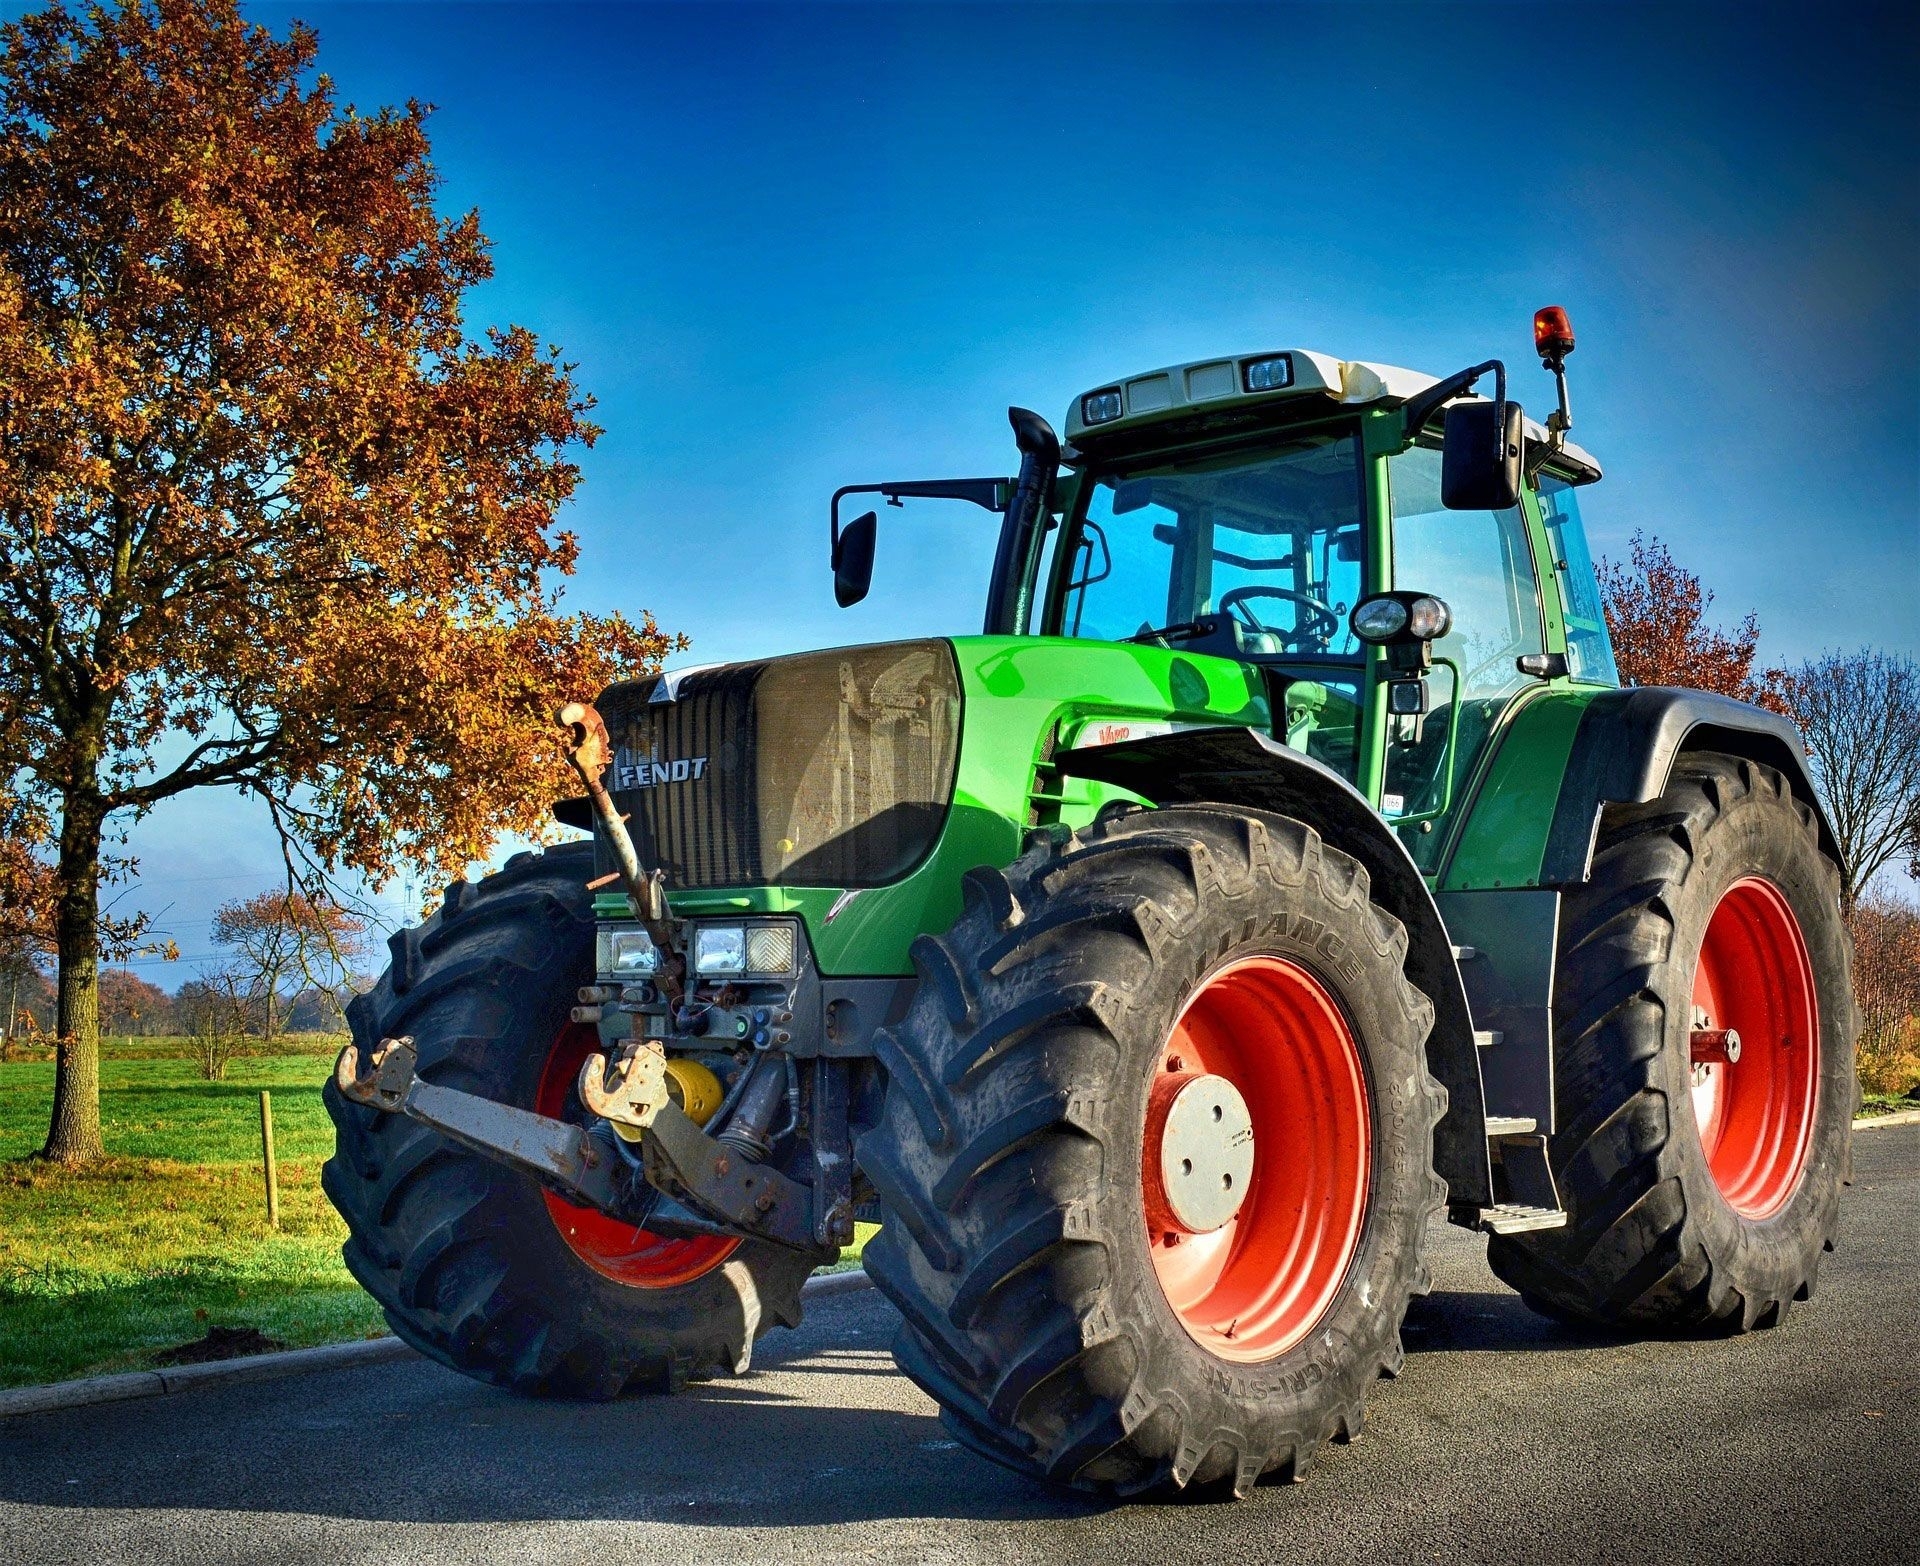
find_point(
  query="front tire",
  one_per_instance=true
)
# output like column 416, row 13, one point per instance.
column 1700, row 1193
column 475, row 1264
column 1067, row 1317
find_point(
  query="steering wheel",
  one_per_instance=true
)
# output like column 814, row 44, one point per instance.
column 1318, row 619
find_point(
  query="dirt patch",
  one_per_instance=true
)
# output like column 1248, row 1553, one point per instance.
column 219, row 1343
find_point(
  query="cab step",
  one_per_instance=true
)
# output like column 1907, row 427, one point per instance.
column 1513, row 1218
column 1511, row 1125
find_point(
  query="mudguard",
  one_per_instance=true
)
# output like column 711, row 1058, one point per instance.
column 1239, row 766
column 1624, row 751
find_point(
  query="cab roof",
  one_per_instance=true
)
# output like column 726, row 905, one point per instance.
column 1263, row 380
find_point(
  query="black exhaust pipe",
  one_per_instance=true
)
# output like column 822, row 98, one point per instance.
column 1010, row 594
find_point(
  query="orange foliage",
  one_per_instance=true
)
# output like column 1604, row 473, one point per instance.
column 257, row 483
column 1886, row 983
column 283, row 936
column 1656, row 614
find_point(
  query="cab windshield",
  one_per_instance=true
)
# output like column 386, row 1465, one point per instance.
column 1245, row 556
column 1250, row 556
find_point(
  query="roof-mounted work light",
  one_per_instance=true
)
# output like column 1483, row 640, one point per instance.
column 1552, row 337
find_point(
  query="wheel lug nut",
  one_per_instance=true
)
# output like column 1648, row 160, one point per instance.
column 1714, row 1046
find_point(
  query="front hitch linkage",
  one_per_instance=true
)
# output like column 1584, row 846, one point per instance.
column 562, row 1157
column 680, row 1159
column 590, row 749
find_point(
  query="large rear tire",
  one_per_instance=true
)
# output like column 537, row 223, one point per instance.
column 1076, row 1315
column 1700, row 1192
column 476, row 1265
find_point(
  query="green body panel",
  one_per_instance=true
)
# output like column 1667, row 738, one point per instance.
column 1021, row 696
column 1502, row 837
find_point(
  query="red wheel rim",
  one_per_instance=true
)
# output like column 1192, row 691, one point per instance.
column 610, row 1247
column 1253, row 1288
column 1755, row 1115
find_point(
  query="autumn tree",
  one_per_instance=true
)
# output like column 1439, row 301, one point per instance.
column 26, row 913
column 1656, row 613
column 283, row 936
column 1860, row 713
column 130, row 1004
column 1886, row 982
column 218, row 1010
column 259, row 487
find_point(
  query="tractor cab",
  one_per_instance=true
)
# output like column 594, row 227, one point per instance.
column 1285, row 510
column 1399, row 558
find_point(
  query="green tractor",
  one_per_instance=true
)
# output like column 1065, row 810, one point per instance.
column 1282, row 865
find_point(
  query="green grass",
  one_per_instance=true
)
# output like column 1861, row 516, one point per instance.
column 101, row 1267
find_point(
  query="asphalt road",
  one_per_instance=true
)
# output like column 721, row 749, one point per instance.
column 1506, row 1439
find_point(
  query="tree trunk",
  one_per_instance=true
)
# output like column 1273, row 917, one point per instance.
column 74, row 1136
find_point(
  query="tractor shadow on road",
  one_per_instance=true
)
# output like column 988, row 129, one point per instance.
column 837, row 1437
column 1474, row 1322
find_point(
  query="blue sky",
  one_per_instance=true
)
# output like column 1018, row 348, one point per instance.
column 799, row 247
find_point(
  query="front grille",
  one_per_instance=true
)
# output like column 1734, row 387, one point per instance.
column 827, row 769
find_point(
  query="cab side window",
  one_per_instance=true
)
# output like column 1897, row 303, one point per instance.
column 1480, row 563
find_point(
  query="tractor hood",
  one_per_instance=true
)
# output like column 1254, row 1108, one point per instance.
column 856, row 787
column 824, row 769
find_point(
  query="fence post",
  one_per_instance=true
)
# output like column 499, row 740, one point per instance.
column 266, row 1147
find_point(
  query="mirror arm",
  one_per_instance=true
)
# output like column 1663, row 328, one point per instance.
column 1418, row 409
column 987, row 493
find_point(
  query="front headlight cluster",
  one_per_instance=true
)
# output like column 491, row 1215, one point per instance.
column 629, row 951
column 756, row 949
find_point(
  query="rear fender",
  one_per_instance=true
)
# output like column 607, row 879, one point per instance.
column 1625, row 749
column 1239, row 766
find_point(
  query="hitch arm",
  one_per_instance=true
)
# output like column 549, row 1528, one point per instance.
column 589, row 749
column 716, row 1184
column 562, row 1157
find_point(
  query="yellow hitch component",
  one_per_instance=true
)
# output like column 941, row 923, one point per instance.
column 694, row 1088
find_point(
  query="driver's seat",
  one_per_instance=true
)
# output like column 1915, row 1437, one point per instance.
column 1257, row 644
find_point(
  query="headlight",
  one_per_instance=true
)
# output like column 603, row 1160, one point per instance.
column 720, row 948
column 1429, row 618
column 627, row 951
column 756, row 949
column 1101, row 407
column 1398, row 617
column 1379, row 619
column 1273, row 374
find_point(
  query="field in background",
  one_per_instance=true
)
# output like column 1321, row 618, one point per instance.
column 104, row 1266
column 101, row 1267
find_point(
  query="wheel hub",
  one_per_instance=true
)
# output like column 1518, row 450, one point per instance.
column 1754, row 1048
column 1251, row 1258
column 1205, row 1135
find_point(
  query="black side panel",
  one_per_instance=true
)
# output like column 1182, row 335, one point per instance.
column 1625, row 749
column 1242, row 767
column 1509, row 941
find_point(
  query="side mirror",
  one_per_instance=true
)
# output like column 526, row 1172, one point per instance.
column 1480, row 461
column 853, row 560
